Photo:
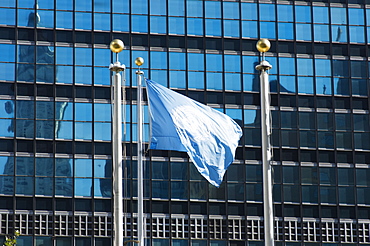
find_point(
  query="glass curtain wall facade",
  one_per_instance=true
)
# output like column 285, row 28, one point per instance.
column 55, row 118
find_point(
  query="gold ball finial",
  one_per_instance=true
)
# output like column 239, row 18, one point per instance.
column 116, row 45
column 139, row 61
column 263, row 45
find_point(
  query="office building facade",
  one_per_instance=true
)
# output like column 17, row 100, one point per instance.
column 55, row 118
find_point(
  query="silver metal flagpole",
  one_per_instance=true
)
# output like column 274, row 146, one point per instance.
column 117, row 46
column 263, row 45
column 140, row 215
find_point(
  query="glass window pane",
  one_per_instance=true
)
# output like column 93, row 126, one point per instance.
column 338, row 16
column 213, row 9
column 176, row 25
column 249, row 11
column 83, row 20
column 267, row 12
column 303, row 32
column 285, row 13
column 253, row 173
column 328, row 195
column 285, row 31
column 327, row 176
column 303, row 14
column 320, row 15
column 339, row 33
column 321, row 33
column 356, row 16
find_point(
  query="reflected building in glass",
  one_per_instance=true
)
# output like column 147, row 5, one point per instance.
column 55, row 120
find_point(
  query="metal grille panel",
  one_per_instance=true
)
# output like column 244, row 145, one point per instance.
column 184, row 226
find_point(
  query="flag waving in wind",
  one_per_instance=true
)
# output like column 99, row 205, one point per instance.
column 179, row 123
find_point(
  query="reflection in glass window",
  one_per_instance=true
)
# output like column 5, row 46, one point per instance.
column 232, row 81
column 83, row 187
column 214, row 81
column 83, row 168
column 361, row 122
column 323, row 86
column 7, row 52
column 285, row 13
column 344, row 140
column 235, row 191
column 102, row 21
column 341, row 86
column 320, row 15
column 346, row 195
column 321, row 33
column 267, row 12
column 338, row 16
column 158, row 60
column 232, row 63
column 83, row 56
column 121, row 22
column 325, row 139
column 291, row 193
column 356, row 16
column 343, row 122
column 176, row 25
column 158, row 24
column 286, row 84
column 157, row 7
column 288, row 119
column 285, row 31
column 310, row 194
column 359, row 87
column 357, row 34
column 267, row 29
column 339, row 33
column 176, row 8
column 83, row 75
column 305, row 85
column 194, row 26
column 102, row 131
column 64, row 4
column 194, row 8
column 322, row 67
column 195, row 61
column 254, row 192
column 178, row 79
column 303, row 32
column 196, row 80
column 328, row 195
column 64, row 19
column 139, row 23
column 249, row 11
column 231, row 10
column 179, row 190
column 83, row 130
column 213, row 9
column 358, row 69
column 4, row 74
column 286, row 66
column 249, row 29
column 231, row 28
column 139, row 7
column 361, row 140
column 24, row 185
column 307, row 139
column 304, row 66
column 303, row 14
column 83, row 20
column 160, row 189
column 46, row 18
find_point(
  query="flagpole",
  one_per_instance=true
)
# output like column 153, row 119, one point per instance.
column 140, row 203
column 263, row 45
column 117, row 46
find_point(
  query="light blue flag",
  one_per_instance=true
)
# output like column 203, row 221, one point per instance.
column 179, row 123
